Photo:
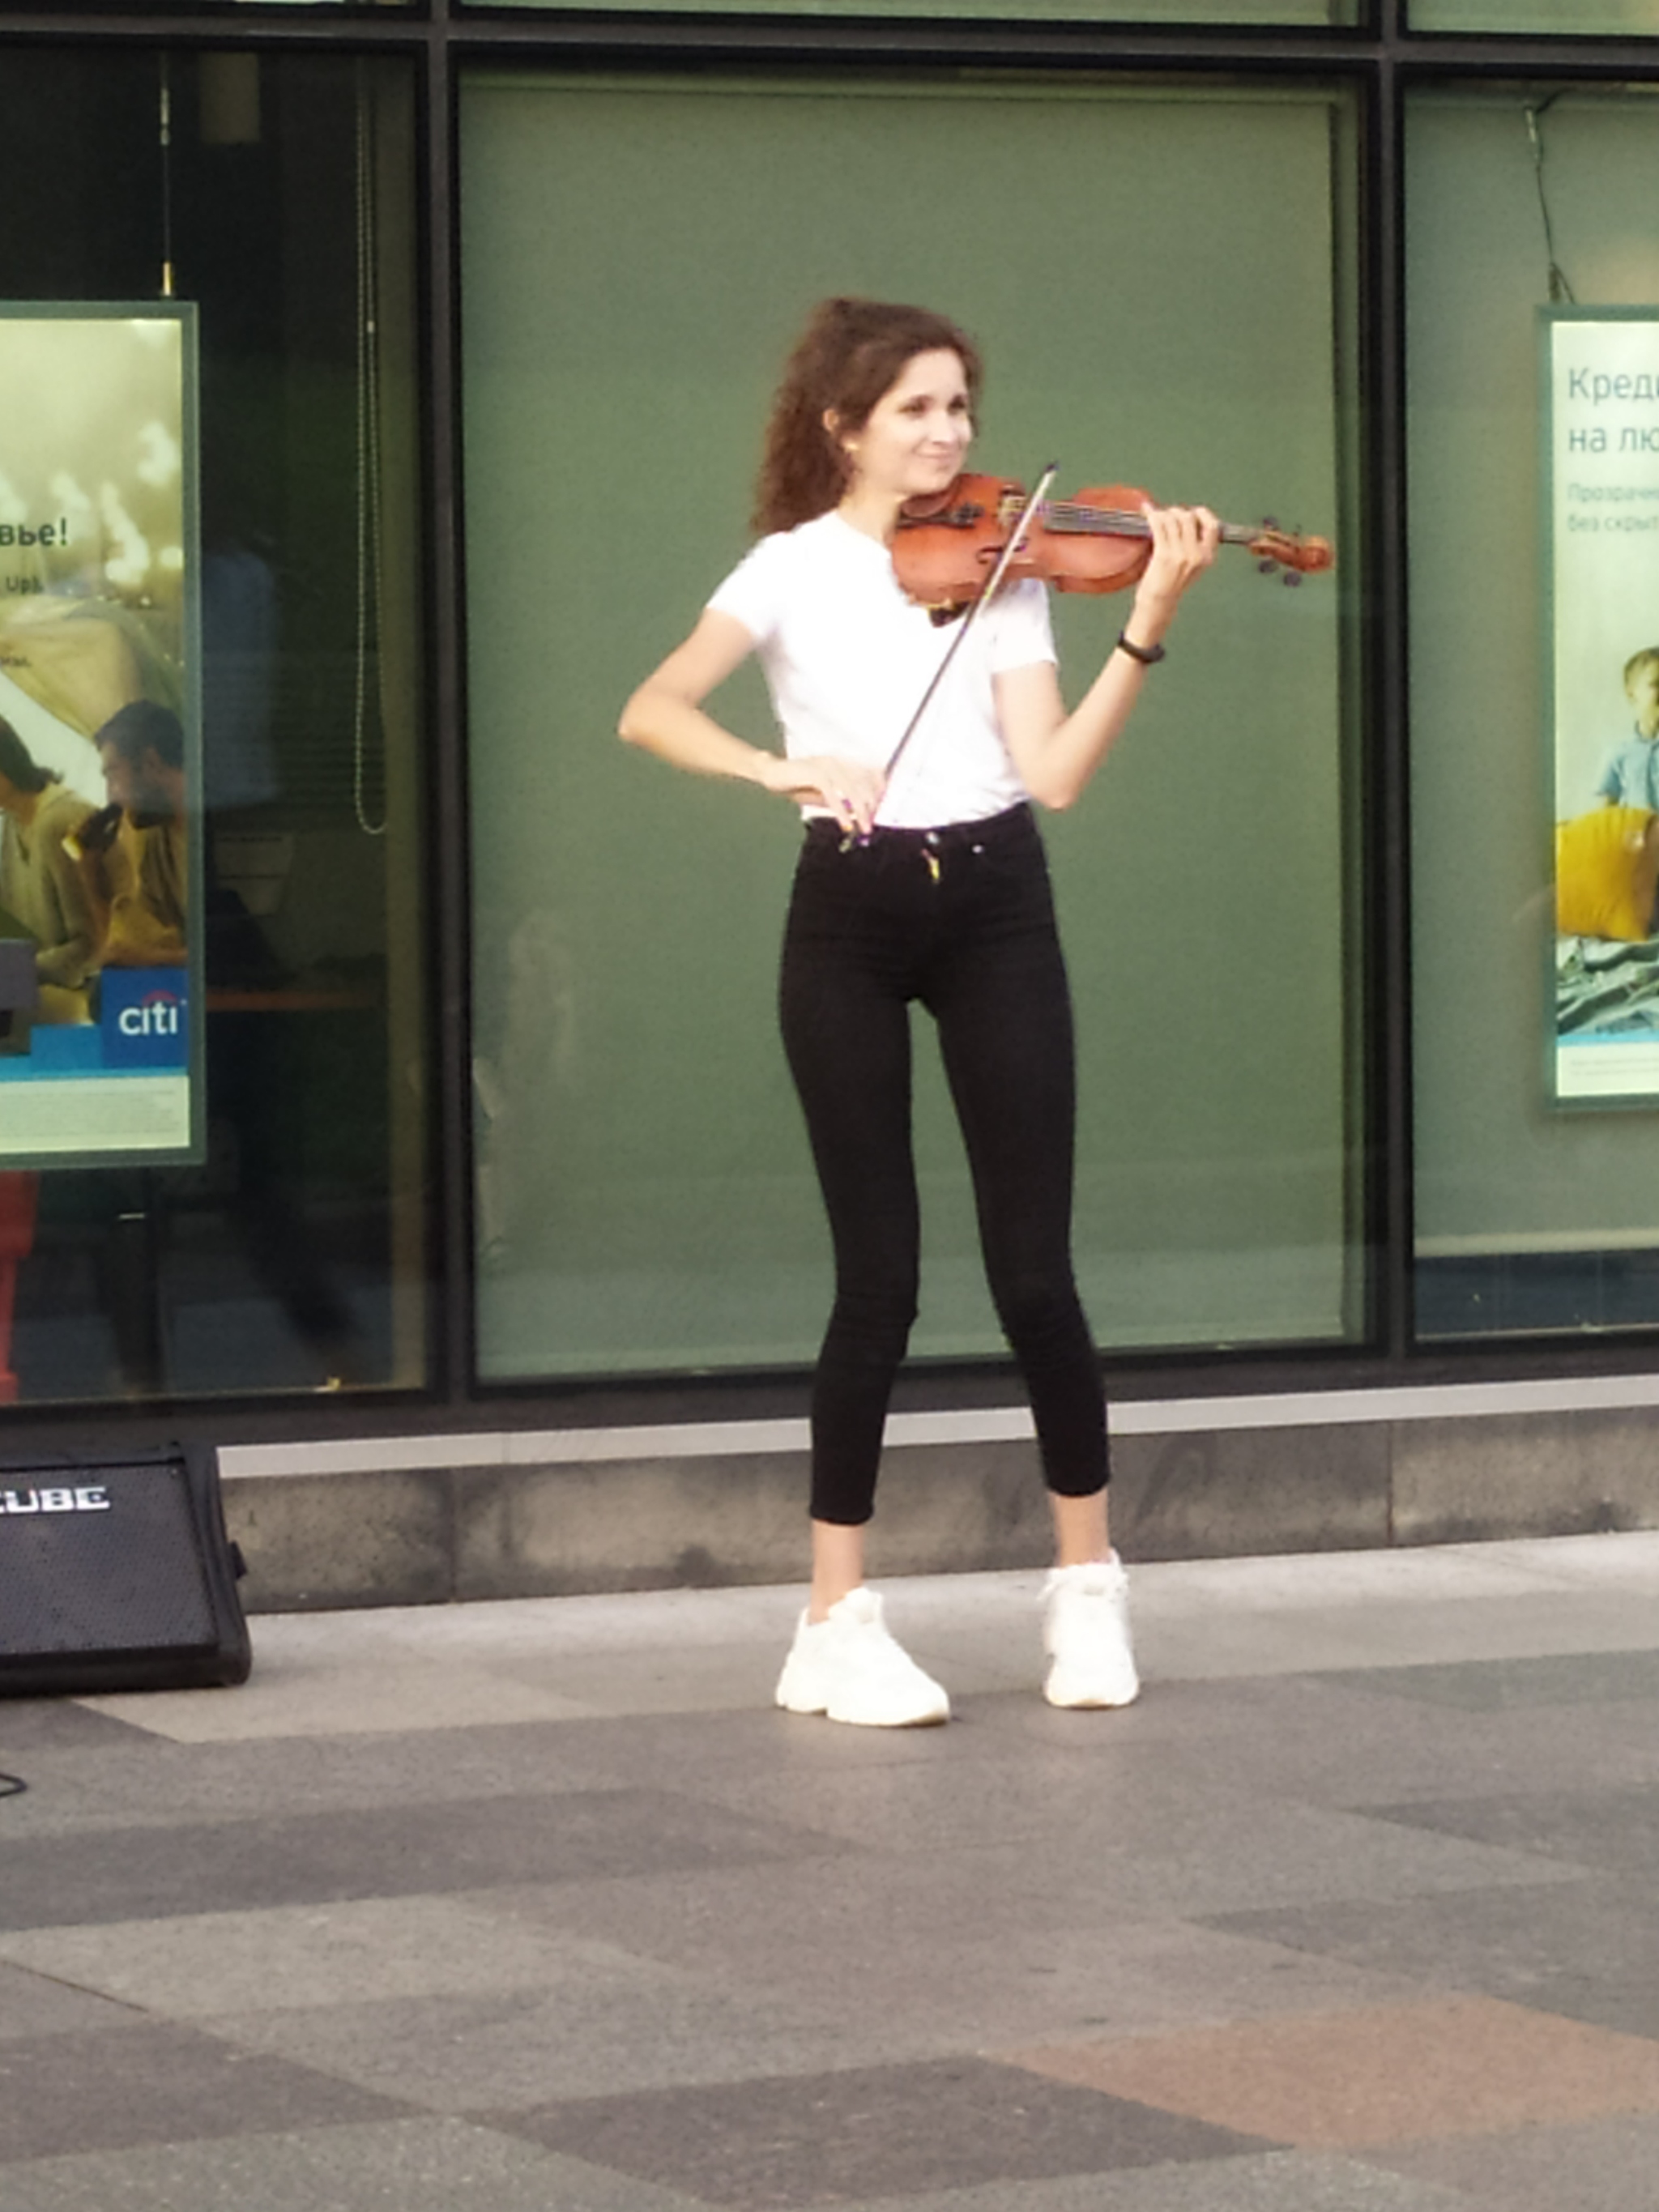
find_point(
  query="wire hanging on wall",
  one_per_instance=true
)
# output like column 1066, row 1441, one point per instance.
column 369, row 458
column 164, row 143
column 1559, row 289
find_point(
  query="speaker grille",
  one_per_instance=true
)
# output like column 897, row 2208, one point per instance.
column 104, row 1559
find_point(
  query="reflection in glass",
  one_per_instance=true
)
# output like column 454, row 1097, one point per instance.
column 1530, row 1218
column 291, row 1259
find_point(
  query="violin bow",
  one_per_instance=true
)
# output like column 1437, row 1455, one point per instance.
column 1016, row 538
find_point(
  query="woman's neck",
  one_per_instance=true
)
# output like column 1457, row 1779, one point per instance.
column 873, row 513
column 22, row 806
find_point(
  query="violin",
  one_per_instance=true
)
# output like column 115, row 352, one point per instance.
column 946, row 546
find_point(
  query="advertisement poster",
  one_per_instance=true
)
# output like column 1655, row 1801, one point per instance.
column 1600, row 378
column 101, row 998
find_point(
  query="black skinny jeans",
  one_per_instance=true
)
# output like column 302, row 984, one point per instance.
column 963, row 920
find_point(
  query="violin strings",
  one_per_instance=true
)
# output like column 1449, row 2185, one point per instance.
column 1113, row 522
column 1068, row 516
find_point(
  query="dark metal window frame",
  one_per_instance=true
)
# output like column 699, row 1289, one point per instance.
column 1379, row 63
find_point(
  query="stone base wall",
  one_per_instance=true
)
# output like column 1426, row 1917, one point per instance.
column 427, row 1535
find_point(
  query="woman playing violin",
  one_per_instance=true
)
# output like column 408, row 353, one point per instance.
column 927, row 884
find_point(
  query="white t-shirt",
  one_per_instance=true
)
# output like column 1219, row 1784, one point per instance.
column 848, row 658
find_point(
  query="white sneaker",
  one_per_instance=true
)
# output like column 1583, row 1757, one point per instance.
column 1085, row 1631
column 849, row 1667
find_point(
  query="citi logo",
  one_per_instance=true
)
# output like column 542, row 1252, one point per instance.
column 156, row 1014
column 144, row 1015
column 94, row 1499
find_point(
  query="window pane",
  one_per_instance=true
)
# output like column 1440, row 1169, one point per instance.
column 1530, row 1217
column 1268, row 14
column 291, row 1259
column 218, row 7
column 645, row 1198
column 1567, row 18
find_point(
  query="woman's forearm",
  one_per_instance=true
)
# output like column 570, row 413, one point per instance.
column 1057, row 753
column 679, row 731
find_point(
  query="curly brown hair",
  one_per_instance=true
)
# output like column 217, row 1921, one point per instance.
column 851, row 352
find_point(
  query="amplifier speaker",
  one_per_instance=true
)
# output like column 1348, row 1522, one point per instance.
column 116, row 1574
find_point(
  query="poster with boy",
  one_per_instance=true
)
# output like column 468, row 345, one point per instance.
column 1600, row 373
column 99, row 942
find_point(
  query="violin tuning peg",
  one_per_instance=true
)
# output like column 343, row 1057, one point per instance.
column 1270, row 522
column 1268, row 567
column 1293, row 575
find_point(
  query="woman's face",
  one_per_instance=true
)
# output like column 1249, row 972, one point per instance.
column 918, row 431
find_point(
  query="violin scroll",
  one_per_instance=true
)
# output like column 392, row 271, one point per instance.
column 1291, row 557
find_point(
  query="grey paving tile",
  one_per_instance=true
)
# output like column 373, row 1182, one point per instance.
column 1006, row 1773
column 889, row 1920
column 1626, row 1998
column 664, row 1678
column 1490, row 1685
column 635, row 2026
column 1128, row 1979
column 1611, row 1828
column 1588, row 1949
column 401, row 2166
column 1232, row 1641
column 547, row 1914
column 1607, row 1562
column 35, row 2004
column 1298, row 1735
column 768, row 2145
column 1332, row 1740
column 679, row 1748
column 503, row 1629
column 30, row 1724
column 364, row 1951
column 1601, row 2166
column 950, row 1958
column 147, row 1782
column 1155, row 1846
column 150, row 1872
column 894, row 1924
column 965, row 1800
column 1278, row 2181
column 154, row 2083
column 1306, row 1740
column 1179, row 1853
column 399, row 1691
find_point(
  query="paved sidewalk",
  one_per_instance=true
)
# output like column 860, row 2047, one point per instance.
column 542, row 1906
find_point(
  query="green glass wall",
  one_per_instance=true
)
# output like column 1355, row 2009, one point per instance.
column 635, row 261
